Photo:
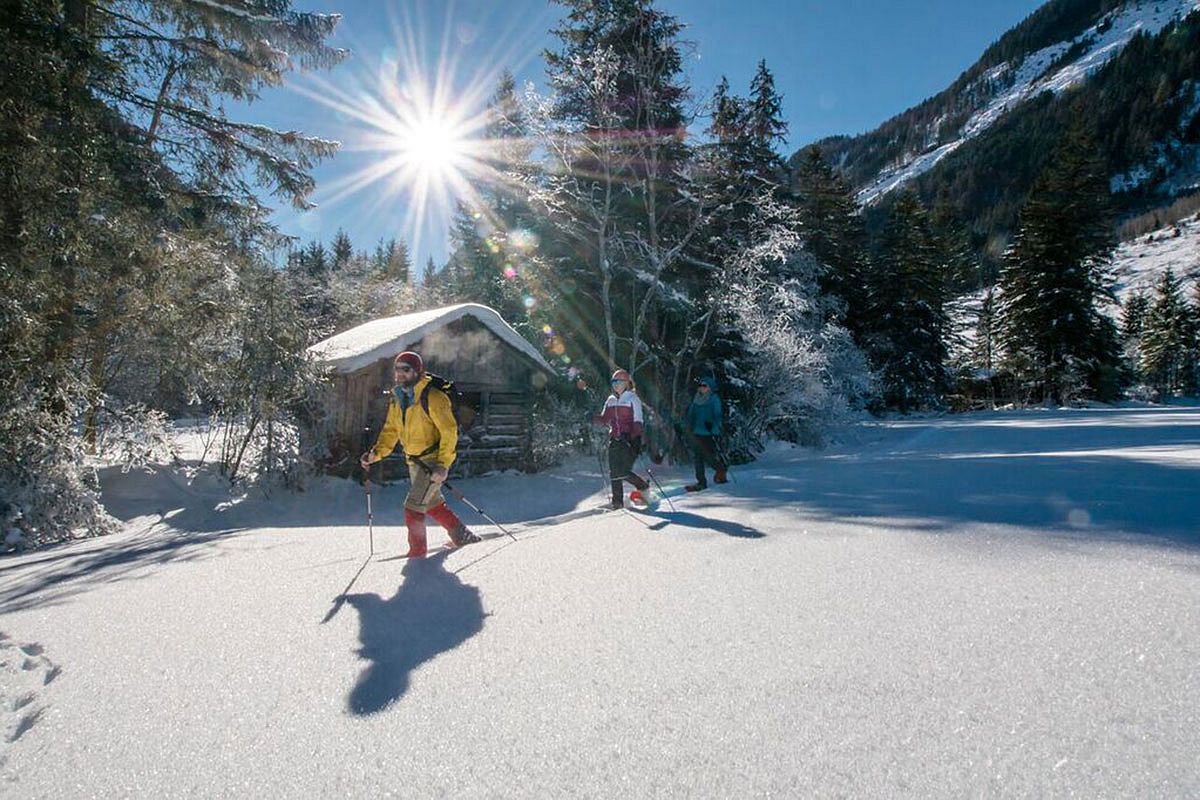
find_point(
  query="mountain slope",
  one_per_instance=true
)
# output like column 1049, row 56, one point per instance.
column 1130, row 67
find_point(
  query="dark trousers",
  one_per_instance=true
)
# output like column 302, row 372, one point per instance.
column 704, row 450
column 621, row 456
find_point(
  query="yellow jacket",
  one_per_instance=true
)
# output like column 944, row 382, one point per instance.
column 432, row 436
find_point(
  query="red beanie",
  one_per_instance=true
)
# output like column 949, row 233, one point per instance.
column 412, row 359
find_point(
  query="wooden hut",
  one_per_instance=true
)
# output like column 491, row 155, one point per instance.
column 496, row 369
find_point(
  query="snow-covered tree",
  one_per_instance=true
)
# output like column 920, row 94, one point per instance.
column 1055, row 279
column 1168, row 338
column 806, row 371
column 114, row 143
column 909, row 329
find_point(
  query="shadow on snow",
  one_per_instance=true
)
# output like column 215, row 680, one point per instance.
column 431, row 613
column 1101, row 479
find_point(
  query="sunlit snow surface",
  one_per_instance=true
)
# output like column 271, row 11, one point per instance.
column 1138, row 264
column 999, row 604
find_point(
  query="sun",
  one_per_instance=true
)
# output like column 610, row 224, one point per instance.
column 414, row 123
column 435, row 147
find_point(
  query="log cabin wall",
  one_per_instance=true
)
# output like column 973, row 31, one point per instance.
column 497, row 380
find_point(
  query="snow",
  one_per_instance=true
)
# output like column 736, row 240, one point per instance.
column 986, row 604
column 383, row 338
column 1138, row 264
column 1030, row 78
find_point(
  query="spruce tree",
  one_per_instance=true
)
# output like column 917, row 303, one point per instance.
column 121, row 179
column 343, row 249
column 1055, row 279
column 833, row 232
column 765, row 127
column 1168, row 338
column 907, row 334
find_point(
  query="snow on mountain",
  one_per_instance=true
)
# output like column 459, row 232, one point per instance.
column 1139, row 263
column 1011, row 84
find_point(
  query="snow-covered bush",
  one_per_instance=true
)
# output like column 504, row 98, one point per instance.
column 560, row 427
column 135, row 437
column 47, row 491
column 807, row 373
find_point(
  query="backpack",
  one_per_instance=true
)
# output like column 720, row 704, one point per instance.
column 464, row 412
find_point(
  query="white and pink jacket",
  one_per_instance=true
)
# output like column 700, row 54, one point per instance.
column 622, row 415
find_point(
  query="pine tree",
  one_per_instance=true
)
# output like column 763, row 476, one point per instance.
column 1055, row 278
column 343, row 249
column 765, row 126
column 1133, row 316
column 116, row 156
column 965, row 271
column 615, row 133
column 1168, row 339
column 392, row 261
column 316, row 260
column 907, row 335
column 429, row 278
column 834, row 234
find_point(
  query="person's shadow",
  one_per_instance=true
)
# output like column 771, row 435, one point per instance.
column 431, row 613
column 690, row 520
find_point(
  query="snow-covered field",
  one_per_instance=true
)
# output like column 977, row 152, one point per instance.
column 995, row 604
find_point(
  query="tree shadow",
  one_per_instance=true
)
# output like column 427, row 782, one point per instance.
column 1084, row 474
column 431, row 613
column 62, row 571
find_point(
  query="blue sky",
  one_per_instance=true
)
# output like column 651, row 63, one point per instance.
column 842, row 67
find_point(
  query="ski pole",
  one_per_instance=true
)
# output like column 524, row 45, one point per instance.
column 370, row 515
column 723, row 454
column 463, row 498
column 670, row 502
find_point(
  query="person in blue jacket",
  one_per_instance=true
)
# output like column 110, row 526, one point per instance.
column 703, row 423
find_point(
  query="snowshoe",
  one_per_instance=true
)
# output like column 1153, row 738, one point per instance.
column 462, row 536
column 696, row 487
column 638, row 498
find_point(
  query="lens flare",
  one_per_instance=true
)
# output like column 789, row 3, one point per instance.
column 414, row 120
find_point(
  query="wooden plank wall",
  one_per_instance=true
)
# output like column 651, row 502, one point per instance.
column 498, row 380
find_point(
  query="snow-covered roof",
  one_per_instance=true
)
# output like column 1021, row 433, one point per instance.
column 383, row 338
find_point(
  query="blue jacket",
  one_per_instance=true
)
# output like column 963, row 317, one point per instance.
column 704, row 417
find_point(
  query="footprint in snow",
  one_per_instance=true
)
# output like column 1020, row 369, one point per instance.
column 25, row 671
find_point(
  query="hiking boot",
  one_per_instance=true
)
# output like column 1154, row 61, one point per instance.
column 721, row 478
column 615, row 504
column 696, row 487
column 462, row 536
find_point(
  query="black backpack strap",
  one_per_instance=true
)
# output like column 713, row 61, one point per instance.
column 439, row 383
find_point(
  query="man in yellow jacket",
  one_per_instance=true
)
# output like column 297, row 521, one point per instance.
column 428, row 437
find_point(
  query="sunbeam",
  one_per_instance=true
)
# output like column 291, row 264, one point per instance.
column 421, row 125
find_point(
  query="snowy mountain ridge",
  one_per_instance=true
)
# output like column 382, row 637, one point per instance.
column 1054, row 68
